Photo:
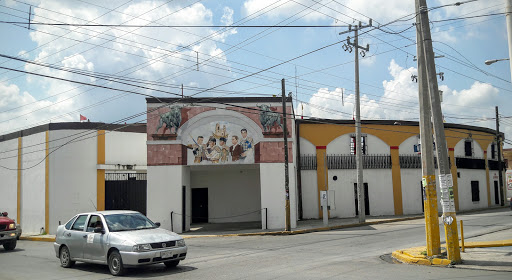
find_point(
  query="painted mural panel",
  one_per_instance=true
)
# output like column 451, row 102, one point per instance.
column 219, row 142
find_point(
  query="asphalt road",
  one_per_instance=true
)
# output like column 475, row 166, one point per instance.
column 355, row 253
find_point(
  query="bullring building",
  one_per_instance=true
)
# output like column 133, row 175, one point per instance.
column 221, row 160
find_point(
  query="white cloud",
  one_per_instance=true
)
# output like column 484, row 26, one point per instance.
column 20, row 109
column 400, row 101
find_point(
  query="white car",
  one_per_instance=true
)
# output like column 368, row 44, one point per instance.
column 117, row 238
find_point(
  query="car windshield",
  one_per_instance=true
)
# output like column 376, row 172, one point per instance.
column 131, row 221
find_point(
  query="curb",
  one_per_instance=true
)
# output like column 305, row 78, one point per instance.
column 38, row 238
column 410, row 258
column 485, row 244
column 303, row 231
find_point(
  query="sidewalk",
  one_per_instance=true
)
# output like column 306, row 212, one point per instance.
column 254, row 228
column 491, row 251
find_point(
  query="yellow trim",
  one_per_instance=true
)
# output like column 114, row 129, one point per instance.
column 47, row 183
column 18, row 196
column 453, row 170
column 320, row 177
column 488, row 180
column 397, row 182
column 100, row 173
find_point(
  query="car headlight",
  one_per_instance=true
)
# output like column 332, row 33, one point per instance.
column 12, row 226
column 141, row 247
column 180, row 243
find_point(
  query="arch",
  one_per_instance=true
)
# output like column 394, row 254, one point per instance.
column 221, row 115
column 375, row 144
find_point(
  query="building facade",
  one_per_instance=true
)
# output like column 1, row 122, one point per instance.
column 392, row 167
column 219, row 160
column 51, row 172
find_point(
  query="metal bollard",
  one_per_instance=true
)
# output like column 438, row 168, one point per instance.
column 462, row 235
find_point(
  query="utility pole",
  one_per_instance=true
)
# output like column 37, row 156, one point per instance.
column 498, row 142
column 508, row 17
column 286, row 179
column 427, row 151
column 358, row 150
column 445, row 177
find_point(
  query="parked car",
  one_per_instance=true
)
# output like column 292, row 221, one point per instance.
column 117, row 238
column 7, row 232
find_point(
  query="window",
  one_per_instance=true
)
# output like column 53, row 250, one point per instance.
column 79, row 223
column 353, row 145
column 475, row 191
column 94, row 222
column 493, row 151
column 468, row 148
column 69, row 223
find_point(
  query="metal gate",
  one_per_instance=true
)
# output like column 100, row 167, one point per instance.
column 126, row 191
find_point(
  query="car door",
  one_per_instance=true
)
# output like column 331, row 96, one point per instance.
column 96, row 243
column 76, row 237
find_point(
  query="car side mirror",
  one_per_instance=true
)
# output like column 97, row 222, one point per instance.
column 99, row 230
column 5, row 214
column 157, row 224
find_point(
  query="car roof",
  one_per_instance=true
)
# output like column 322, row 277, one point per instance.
column 110, row 212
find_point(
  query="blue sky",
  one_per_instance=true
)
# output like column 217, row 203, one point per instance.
column 319, row 80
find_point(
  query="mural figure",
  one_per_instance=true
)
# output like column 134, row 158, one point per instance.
column 213, row 152
column 198, row 149
column 236, row 149
column 224, row 152
column 268, row 118
column 247, row 145
column 170, row 119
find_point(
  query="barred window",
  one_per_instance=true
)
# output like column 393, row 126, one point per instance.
column 475, row 191
column 468, row 148
column 493, row 151
column 353, row 145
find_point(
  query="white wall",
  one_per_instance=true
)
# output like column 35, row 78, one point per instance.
column 380, row 191
column 273, row 195
column 232, row 193
column 164, row 194
column 188, row 198
column 341, row 145
column 33, row 183
column 9, row 177
column 306, row 147
column 464, row 189
column 412, row 197
column 125, row 148
column 407, row 146
column 72, row 175
column 478, row 152
column 309, row 194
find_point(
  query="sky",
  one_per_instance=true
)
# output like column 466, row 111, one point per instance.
column 149, row 53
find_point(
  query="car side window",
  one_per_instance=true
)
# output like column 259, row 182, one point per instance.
column 70, row 222
column 94, row 222
column 79, row 223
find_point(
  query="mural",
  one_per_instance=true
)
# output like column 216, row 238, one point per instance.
column 220, row 143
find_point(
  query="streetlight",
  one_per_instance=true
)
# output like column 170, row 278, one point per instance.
column 489, row 62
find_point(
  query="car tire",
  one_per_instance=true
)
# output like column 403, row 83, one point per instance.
column 115, row 263
column 9, row 246
column 65, row 257
column 172, row 263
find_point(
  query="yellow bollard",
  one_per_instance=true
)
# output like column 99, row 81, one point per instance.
column 462, row 235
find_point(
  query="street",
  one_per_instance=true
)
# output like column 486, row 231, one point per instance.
column 355, row 253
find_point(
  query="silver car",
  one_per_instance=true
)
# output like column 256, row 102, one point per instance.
column 118, row 239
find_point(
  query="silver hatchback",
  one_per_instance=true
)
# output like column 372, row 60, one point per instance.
column 118, row 239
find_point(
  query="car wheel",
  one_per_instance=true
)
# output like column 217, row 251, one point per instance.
column 115, row 264
column 9, row 246
column 65, row 257
column 172, row 263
